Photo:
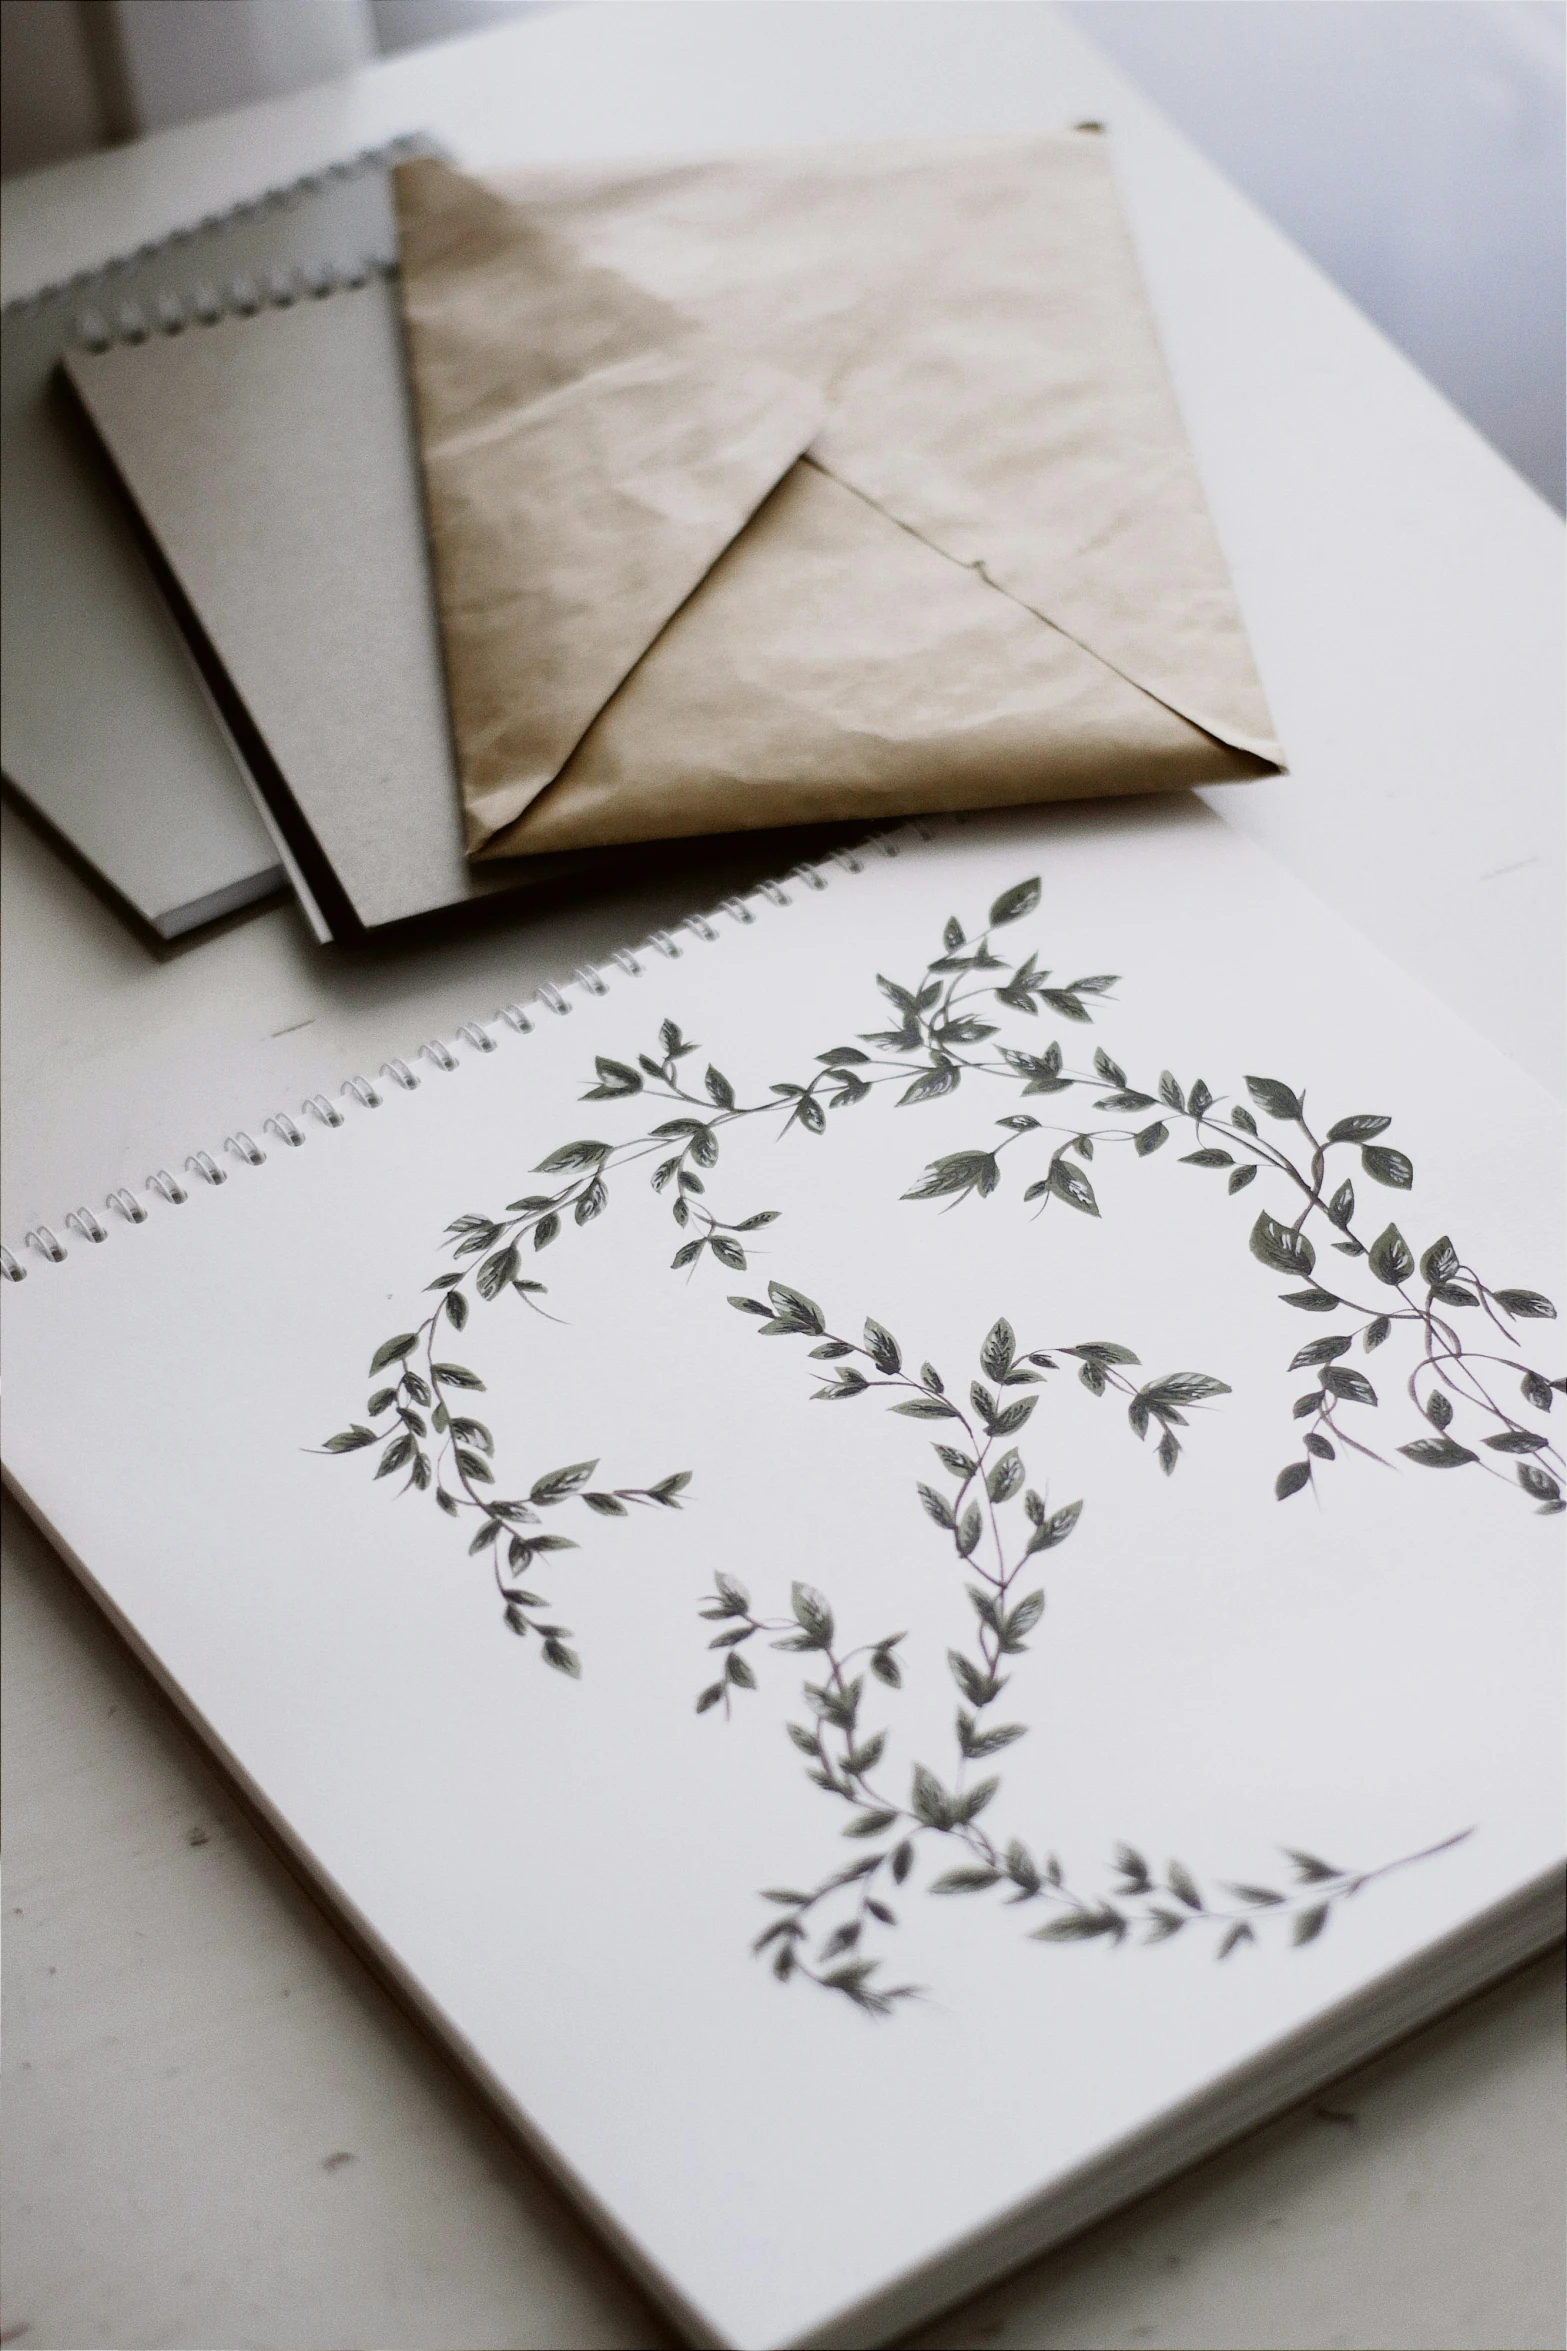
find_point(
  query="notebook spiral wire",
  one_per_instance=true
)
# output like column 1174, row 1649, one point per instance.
column 171, row 312
column 320, row 1113
column 242, row 297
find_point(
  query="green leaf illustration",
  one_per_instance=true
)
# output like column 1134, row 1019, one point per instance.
column 1273, row 1096
column 1012, row 904
column 572, row 1155
column 1320, row 1351
column 616, row 1082
column 1069, row 1183
column 1438, row 1453
column 559, row 1483
column 1352, row 1386
column 930, row 1083
column 1280, row 1246
column 812, row 1614
column 1388, row 1167
column 960, row 1173
column 1390, row 1258
column 1525, row 1305
column 1081, row 1926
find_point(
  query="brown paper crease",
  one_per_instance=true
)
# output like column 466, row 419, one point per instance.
column 799, row 488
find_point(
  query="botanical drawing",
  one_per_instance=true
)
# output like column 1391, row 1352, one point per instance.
column 451, row 1454
column 824, row 1933
column 945, row 1035
column 960, row 1025
column 949, row 1031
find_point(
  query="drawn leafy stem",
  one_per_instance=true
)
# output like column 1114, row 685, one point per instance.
column 923, row 1054
column 942, row 1036
column 412, row 1417
column 823, row 1932
column 944, row 1024
column 1446, row 1374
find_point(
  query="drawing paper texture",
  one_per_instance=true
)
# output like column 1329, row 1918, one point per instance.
column 568, row 1865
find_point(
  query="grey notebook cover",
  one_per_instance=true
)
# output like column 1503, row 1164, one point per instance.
column 273, row 468
column 108, row 731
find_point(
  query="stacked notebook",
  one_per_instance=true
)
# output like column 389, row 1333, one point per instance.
column 903, row 1574
column 223, row 665
column 283, row 432
column 631, row 506
column 110, row 734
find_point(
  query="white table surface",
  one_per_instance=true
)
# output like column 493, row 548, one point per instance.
column 220, row 2133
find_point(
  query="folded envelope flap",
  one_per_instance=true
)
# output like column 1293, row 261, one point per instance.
column 1018, row 414
column 973, row 312
column 588, row 452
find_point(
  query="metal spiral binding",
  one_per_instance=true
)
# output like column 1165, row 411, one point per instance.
column 242, row 297
column 318, row 1112
column 100, row 276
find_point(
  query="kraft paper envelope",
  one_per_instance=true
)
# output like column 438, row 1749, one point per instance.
column 795, row 488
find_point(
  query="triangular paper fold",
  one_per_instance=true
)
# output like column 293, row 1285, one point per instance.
column 993, row 579
column 587, row 455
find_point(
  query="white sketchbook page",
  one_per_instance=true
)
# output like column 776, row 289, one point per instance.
column 569, row 1869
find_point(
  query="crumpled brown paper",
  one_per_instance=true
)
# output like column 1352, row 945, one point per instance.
column 800, row 488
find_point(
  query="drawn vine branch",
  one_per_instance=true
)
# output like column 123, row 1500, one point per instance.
column 451, row 1455
column 949, row 1031
column 825, row 1932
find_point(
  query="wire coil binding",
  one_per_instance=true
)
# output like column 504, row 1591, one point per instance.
column 319, row 1113
column 99, row 276
column 206, row 305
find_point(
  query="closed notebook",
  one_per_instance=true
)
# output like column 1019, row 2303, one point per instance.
column 108, row 731
column 903, row 1573
column 267, row 454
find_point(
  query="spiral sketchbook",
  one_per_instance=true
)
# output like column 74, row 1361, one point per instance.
column 898, row 1555
column 108, row 731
